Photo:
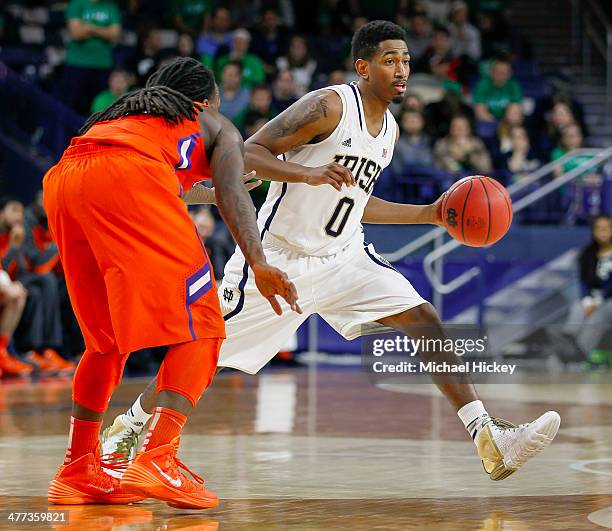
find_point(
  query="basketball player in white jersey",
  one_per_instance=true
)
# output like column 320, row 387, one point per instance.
column 324, row 155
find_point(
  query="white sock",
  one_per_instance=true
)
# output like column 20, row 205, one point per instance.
column 136, row 417
column 469, row 414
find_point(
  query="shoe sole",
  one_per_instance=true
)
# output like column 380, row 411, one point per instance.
column 138, row 480
column 62, row 494
column 538, row 441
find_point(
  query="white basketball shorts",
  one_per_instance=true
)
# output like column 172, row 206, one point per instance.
column 351, row 290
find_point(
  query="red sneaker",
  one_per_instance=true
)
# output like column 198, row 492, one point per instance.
column 83, row 481
column 13, row 366
column 60, row 364
column 156, row 474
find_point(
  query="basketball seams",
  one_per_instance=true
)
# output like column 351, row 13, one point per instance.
column 504, row 195
column 465, row 202
column 488, row 210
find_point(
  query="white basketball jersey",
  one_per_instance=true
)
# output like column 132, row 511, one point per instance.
column 319, row 220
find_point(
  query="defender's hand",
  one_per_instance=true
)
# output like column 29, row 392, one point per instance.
column 206, row 196
column 333, row 174
column 270, row 282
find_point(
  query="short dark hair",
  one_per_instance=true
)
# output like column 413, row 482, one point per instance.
column 261, row 86
column 235, row 63
column 369, row 36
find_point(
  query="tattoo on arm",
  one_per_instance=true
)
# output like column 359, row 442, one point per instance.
column 233, row 200
column 309, row 111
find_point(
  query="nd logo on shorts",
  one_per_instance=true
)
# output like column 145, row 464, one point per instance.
column 229, row 297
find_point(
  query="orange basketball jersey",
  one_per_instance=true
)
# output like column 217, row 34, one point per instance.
column 180, row 146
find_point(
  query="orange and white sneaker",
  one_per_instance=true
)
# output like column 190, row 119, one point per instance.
column 11, row 366
column 60, row 364
column 155, row 474
column 83, row 481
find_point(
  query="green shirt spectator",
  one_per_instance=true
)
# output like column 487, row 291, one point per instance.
column 253, row 68
column 191, row 16
column 94, row 27
column 493, row 93
column 118, row 85
column 571, row 139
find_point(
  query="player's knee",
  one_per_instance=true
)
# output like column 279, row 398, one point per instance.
column 188, row 368
column 426, row 315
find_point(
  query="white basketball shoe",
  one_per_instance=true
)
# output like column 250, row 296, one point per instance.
column 504, row 447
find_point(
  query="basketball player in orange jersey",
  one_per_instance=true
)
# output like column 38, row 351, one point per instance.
column 138, row 275
column 334, row 143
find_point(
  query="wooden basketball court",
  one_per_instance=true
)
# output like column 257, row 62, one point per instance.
column 318, row 449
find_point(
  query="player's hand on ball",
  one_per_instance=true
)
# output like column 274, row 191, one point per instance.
column 333, row 174
column 270, row 282
column 436, row 211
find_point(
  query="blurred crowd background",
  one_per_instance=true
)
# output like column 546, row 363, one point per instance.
column 482, row 99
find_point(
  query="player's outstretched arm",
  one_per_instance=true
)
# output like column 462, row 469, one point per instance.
column 379, row 211
column 202, row 195
column 225, row 152
column 309, row 120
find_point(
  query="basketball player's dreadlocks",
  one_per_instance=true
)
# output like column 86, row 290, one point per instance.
column 172, row 93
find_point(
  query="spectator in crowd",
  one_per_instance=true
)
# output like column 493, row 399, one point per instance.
column 494, row 37
column 12, row 293
column 219, row 244
column 40, row 330
column 94, row 28
column 118, row 85
column 283, row 91
column 185, row 46
column 513, row 116
column 144, row 58
column 461, row 150
column 191, row 16
column 270, row 40
column 413, row 147
column 438, row 114
column 590, row 318
column 441, row 70
column 336, row 77
column 234, row 97
column 418, row 36
column 439, row 51
column 299, row 62
column 571, row 139
column 42, row 258
column 12, row 302
column 253, row 71
column 413, row 102
column 519, row 158
column 493, row 93
column 260, row 105
column 217, row 38
column 465, row 37
column 560, row 117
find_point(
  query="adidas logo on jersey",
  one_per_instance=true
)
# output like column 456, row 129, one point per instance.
column 347, row 142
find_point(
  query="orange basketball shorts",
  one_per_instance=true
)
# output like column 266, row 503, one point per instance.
column 137, row 273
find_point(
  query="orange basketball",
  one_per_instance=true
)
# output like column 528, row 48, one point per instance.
column 477, row 211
